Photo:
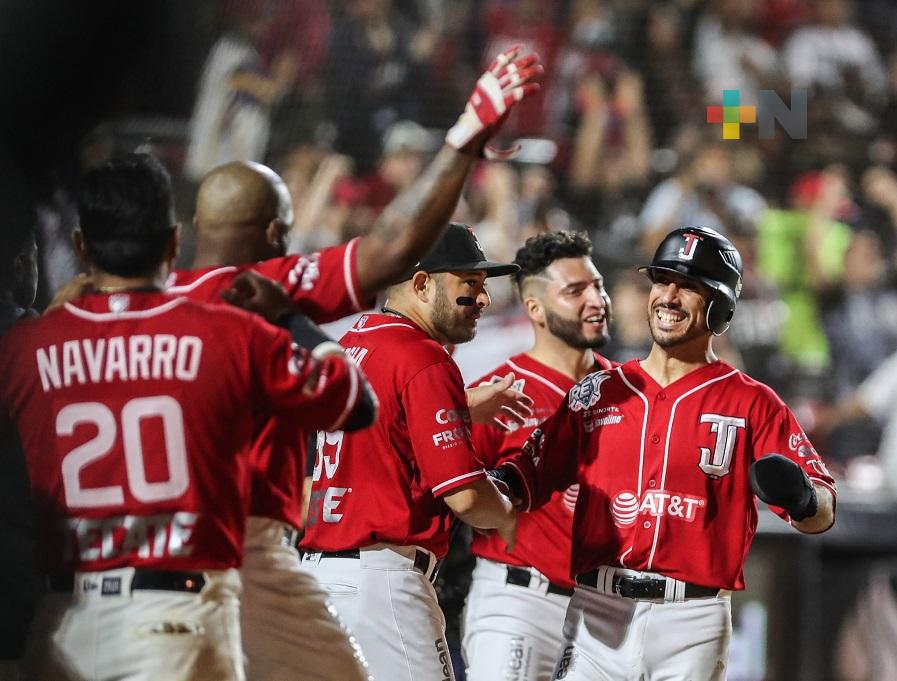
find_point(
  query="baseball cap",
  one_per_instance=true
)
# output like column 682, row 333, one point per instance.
column 459, row 251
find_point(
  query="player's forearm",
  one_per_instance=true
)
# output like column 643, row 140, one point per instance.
column 824, row 517
column 481, row 505
column 412, row 222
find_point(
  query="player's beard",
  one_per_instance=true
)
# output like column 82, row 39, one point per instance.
column 449, row 319
column 570, row 331
column 667, row 339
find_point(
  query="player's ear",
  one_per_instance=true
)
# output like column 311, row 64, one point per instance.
column 534, row 309
column 275, row 235
column 80, row 247
column 422, row 285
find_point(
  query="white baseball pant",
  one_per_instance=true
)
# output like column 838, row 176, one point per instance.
column 391, row 607
column 104, row 631
column 612, row 638
column 511, row 632
column 291, row 632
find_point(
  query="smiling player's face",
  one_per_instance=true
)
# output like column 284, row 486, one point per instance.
column 676, row 309
column 577, row 307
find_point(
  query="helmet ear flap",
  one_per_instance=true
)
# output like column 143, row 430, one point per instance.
column 719, row 314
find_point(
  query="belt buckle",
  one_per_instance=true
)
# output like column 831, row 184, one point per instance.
column 639, row 587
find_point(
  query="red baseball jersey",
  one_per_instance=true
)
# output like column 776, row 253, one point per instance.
column 384, row 483
column 543, row 536
column 324, row 285
column 663, row 471
column 137, row 412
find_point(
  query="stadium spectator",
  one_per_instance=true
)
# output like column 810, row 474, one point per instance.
column 728, row 55
column 704, row 192
column 230, row 119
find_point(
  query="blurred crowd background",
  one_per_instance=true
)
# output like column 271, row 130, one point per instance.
column 347, row 99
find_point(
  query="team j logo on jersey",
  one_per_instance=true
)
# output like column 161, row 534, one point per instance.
column 718, row 462
column 587, row 393
column 627, row 507
column 687, row 251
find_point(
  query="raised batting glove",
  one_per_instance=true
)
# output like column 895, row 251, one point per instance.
column 508, row 80
column 779, row 481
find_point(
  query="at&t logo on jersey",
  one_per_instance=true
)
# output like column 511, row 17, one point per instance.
column 571, row 494
column 627, row 507
column 587, row 393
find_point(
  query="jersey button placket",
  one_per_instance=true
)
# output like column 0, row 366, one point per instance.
column 655, row 439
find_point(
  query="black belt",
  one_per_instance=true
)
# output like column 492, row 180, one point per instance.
column 653, row 588
column 523, row 577
column 421, row 559
column 143, row 579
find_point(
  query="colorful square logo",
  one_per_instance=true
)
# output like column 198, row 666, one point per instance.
column 731, row 114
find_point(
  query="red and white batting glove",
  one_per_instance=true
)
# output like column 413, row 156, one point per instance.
column 508, row 80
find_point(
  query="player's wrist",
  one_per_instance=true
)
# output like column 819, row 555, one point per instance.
column 807, row 507
column 307, row 334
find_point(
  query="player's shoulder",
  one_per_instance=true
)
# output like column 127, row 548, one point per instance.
column 760, row 390
column 187, row 282
column 398, row 342
column 495, row 375
column 604, row 363
column 26, row 327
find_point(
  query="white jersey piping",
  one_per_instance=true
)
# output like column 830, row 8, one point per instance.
column 133, row 314
column 541, row 379
column 183, row 288
column 666, row 453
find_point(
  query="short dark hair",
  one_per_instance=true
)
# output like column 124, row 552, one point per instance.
column 126, row 210
column 543, row 249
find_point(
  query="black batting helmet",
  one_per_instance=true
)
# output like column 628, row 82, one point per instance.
column 707, row 256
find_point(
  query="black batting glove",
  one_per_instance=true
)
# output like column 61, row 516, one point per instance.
column 779, row 481
column 509, row 479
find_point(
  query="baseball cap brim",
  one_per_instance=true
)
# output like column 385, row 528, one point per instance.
column 491, row 268
column 709, row 283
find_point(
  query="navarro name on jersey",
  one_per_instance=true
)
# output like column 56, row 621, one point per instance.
column 103, row 360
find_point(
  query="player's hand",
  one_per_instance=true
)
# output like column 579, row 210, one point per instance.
column 489, row 402
column 509, row 79
column 779, row 481
column 258, row 294
column 81, row 285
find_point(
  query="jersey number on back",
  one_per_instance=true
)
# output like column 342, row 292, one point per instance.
column 99, row 415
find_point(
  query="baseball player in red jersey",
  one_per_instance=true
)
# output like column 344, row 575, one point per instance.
column 670, row 453
column 382, row 504
column 515, row 610
column 136, row 412
column 243, row 214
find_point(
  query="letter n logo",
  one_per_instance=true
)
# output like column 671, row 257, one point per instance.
column 718, row 462
column 687, row 252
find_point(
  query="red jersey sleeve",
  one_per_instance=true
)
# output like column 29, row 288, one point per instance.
column 543, row 463
column 319, row 394
column 435, row 408
column 489, row 442
column 782, row 434
column 324, row 284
